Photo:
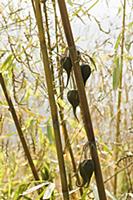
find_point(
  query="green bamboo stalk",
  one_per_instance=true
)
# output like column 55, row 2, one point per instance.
column 18, row 127
column 52, row 102
column 83, row 100
column 118, row 119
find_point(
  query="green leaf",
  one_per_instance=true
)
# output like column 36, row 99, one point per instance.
column 106, row 149
column 84, row 196
column 117, row 42
column 7, row 63
column 130, row 25
column 28, row 92
column 119, row 11
column 19, row 190
column 70, row 2
column 116, row 74
column 50, row 133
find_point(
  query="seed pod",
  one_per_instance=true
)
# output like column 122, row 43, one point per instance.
column 86, row 169
column 86, row 71
column 67, row 65
column 73, row 98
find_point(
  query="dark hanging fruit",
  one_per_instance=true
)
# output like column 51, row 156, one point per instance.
column 73, row 98
column 86, row 71
column 86, row 169
column 66, row 63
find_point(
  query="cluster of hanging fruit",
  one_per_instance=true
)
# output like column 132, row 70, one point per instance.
column 66, row 64
column 72, row 95
column 86, row 167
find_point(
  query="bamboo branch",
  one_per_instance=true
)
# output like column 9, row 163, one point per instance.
column 83, row 100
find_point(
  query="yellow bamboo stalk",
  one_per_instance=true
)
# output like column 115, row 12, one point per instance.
column 53, row 107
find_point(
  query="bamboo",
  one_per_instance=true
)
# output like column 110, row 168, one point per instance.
column 83, row 100
column 48, row 38
column 61, row 109
column 118, row 119
column 18, row 127
column 52, row 102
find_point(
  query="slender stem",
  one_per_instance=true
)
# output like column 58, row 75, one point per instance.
column 67, row 142
column 83, row 100
column 117, row 139
column 18, row 127
column 48, row 37
column 52, row 102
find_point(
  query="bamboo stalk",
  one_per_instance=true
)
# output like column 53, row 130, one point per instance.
column 52, row 102
column 61, row 109
column 48, row 38
column 118, row 119
column 18, row 127
column 83, row 100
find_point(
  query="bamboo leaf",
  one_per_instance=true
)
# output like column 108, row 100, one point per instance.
column 93, row 5
column 117, row 42
column 130, row 25
column 33, row 189
column 49, row 191
column 50, row 133
column 19, row 190
column 85, row 194
column 70, row 2
column 7, row 63
column 116, row 74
